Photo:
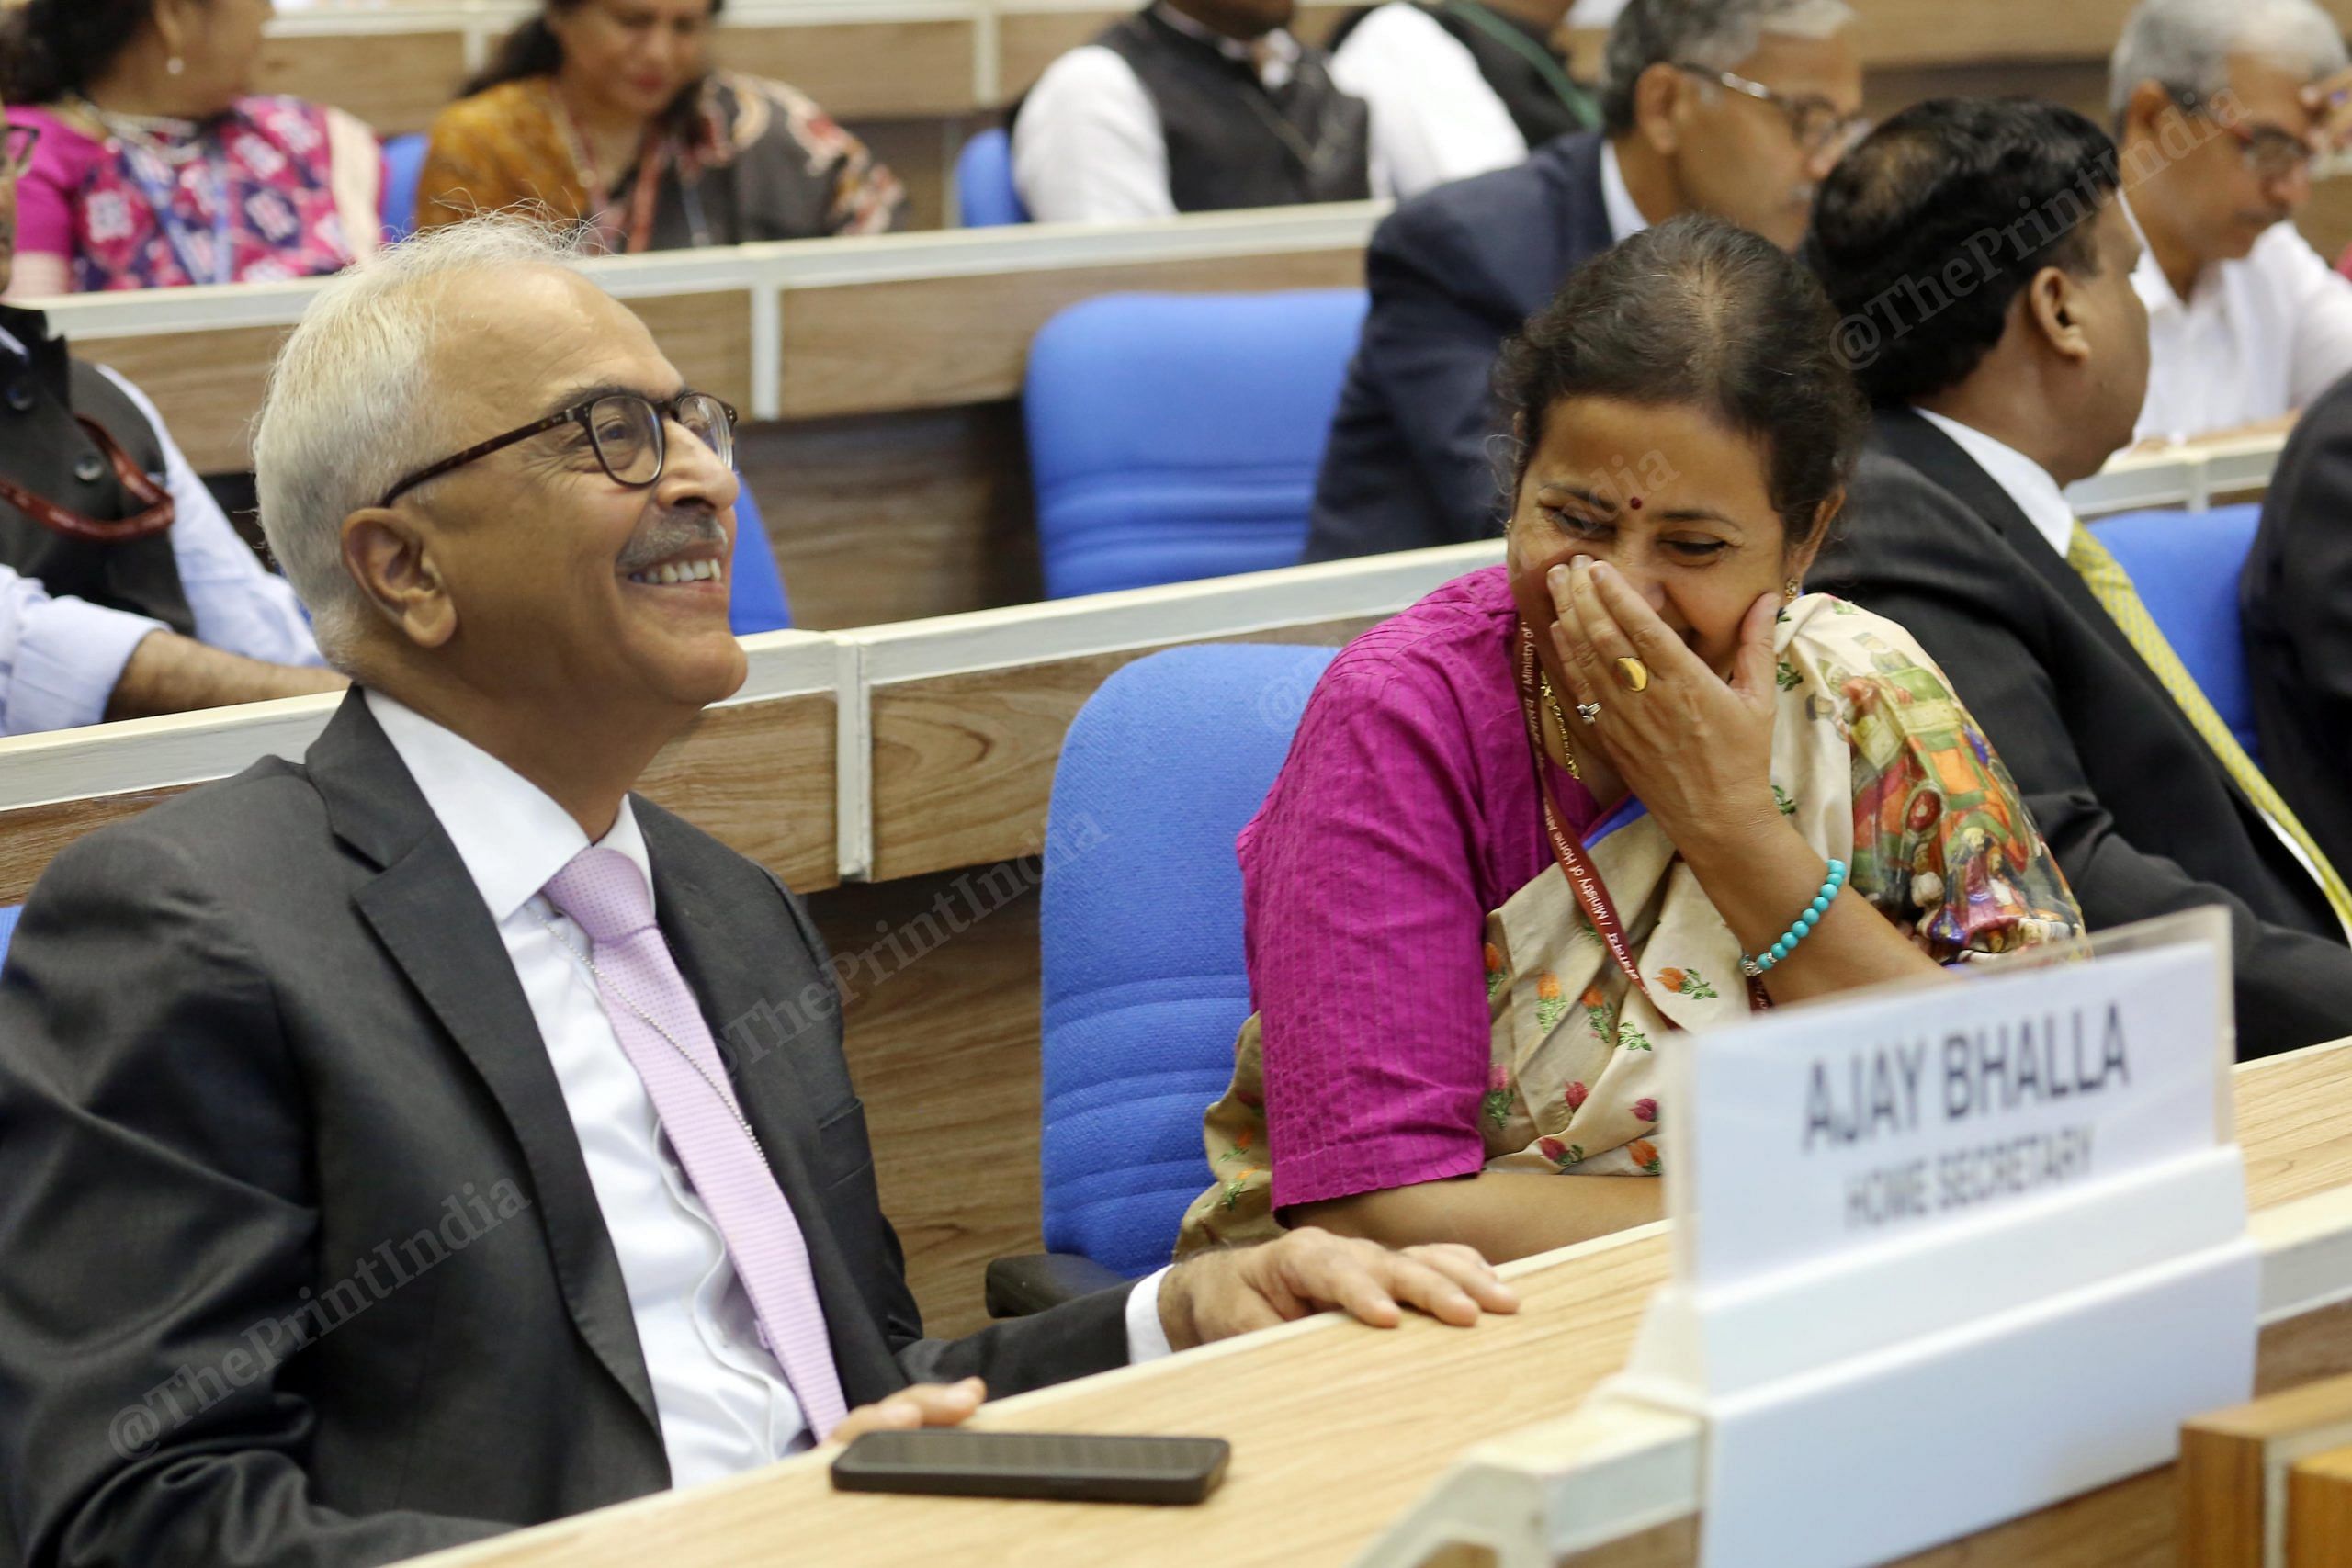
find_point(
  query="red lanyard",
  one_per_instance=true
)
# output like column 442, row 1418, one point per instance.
column 47, row 512
column 1566, row 847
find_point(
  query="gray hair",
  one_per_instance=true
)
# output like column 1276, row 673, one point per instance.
column 1715, row 34
column 2185, row 44
column 350, row 409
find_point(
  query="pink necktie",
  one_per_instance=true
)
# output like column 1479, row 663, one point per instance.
column 662, row 1029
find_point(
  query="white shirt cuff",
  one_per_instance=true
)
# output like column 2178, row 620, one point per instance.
column 69, row 657
column 1147, row 1335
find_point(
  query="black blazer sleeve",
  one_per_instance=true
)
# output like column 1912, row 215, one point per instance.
column 2297, row 602
column 1430, row 344
column 1961, row 600
column 149, row 1108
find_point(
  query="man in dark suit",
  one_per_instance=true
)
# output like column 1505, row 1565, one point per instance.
column 1730, row 107
column 370, row 1181
column 2295, row 601
column 1982, row 261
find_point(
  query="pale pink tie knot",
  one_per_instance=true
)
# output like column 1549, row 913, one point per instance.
column 604, row 892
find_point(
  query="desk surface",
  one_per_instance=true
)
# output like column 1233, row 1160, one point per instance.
column 1336, row 1428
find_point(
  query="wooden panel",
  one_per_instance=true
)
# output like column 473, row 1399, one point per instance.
column 1407, row 1401
column 1919, row 32
column 2319, row 1511
column 935, row 342
column 884, row 69
column 917, row 151
column 897, row 517
column 706, row 336
column 2227, row 1457
column 1028, row 42
column 944, row 1051
column 396, row 81
column 32, row 836
column 760, row 778
column 207, row 385
column 963, row 765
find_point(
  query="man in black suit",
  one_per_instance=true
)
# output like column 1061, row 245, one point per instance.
column 1730, row 107
column 369, row 1178
column 1983, row 262
column 2295, row 602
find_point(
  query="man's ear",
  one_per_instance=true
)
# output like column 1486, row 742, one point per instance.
column 2053, row 303
column 389, row 554
column 2146, row 112
column 1658, row 97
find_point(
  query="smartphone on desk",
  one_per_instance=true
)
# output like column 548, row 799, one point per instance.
column 950, row 1461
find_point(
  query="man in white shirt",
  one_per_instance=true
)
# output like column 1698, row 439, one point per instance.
column 431, row 1205
column 1982, row 259
column 2222, row 107
column 1458, row 87
column 1190, row 106
column 113, row 604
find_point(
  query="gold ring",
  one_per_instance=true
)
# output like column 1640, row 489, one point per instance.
column 1635, row 674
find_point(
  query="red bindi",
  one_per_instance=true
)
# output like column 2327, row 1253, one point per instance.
column 1634, row 502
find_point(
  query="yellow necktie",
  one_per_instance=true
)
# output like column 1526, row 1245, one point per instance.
column 2111, row 585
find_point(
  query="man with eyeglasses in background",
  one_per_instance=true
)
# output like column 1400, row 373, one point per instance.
column 124, row 591
column 1735, row 107
column 2222, row 107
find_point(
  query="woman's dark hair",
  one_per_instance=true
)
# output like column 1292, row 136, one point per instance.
column 531, row 49
column 51, row 47
column 1928, row 232
column 1696, row 313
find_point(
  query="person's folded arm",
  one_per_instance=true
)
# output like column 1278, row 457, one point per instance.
column 60, row 658
column 155, row 1189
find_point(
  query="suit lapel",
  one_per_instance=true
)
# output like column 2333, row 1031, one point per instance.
column 723, row 973
column 421, row 907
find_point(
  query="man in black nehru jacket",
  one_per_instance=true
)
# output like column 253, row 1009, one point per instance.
column 1982, row 259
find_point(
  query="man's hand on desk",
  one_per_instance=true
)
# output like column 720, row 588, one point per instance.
column 919, row 1405
column 1309, row 1270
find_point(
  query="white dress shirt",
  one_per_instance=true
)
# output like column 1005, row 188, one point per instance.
column 723, row 1401
column 60, row 658
column 1624, row 214
column 2037, row 495
column 2256, row 338
column 1087, row 145
column 1434, row 118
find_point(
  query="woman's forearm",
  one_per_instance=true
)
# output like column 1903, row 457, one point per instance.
column 1503, row 1213
column 1761, row 879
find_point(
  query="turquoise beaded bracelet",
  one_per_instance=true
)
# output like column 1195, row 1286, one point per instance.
column 1754, row 967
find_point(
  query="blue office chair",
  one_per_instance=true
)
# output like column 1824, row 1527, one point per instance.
column 403, row 164
column 1177, row 436
column 986, row 197
column 2185, row 566
column 7, row 926
column 1140, row 939
column 755, row 600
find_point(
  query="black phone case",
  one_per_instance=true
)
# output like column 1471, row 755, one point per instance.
column 1054, row 1467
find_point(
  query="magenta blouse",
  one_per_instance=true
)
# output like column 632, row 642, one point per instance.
column 1406, row 811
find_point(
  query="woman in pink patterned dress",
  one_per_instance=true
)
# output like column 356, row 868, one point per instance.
column 157, row 166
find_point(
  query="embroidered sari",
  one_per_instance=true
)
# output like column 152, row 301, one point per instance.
column 1874, row 762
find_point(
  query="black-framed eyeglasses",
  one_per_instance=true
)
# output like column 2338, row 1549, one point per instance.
column 1819, row 125
column 626, row 430
column 2271, row 152
column 22, row 139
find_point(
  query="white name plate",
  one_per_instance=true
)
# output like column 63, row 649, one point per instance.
column 1891, row 1118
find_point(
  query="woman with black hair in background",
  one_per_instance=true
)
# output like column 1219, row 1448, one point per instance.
column 156, row 163
column 607, row 112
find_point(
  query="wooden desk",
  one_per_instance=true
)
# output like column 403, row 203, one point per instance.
column 1338, row 1428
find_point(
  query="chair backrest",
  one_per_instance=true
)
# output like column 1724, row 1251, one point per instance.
column 1177, row 436
column 404, row 164
column 986, row 197
column 2185, row 566
column 755, row 600
column 8, row 925
column 1140, row 930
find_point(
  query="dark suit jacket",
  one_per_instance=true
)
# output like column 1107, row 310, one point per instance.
column 2140, row 813
column 2295, row 601
column 1413, row 458
column 267, row 1076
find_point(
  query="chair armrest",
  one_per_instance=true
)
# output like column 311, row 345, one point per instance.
column 1034, row 1281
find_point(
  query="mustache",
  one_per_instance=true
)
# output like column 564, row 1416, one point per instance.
column 668, row 532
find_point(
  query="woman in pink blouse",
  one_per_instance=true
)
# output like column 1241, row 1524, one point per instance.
column 158, row 165
column 1765, row 795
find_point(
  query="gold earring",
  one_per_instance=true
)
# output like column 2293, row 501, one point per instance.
column 1794, row 590
column 174, row 66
